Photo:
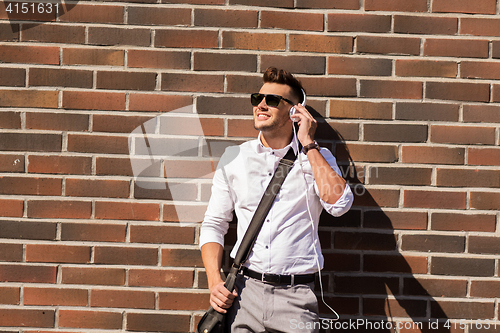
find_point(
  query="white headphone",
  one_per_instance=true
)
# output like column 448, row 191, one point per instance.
column 292, row 110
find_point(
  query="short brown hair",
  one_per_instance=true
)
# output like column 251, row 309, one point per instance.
column 281, row 76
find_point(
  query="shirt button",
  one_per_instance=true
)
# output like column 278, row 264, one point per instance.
column 270, row 174
column 272, row 152
column 267, row 247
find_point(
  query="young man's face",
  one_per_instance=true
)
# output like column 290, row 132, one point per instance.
column 268, row 118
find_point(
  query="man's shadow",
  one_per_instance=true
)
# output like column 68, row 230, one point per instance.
column 365, row 276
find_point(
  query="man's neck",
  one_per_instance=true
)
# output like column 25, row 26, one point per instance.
column 275, row 141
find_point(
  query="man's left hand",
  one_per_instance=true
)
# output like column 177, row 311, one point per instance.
column 307, row 125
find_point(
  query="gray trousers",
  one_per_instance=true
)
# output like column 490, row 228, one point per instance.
column 262, row 307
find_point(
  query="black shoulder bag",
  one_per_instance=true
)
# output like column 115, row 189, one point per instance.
column 213, row 321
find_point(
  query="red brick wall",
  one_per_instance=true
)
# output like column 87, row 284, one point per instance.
column 407, row 95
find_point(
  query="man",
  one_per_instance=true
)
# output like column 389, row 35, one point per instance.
column 287, row 248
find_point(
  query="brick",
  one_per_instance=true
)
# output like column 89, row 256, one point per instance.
column 462, row 222
column 159, row 16
column 458, row 310
column 394, row 263
column 12, row 163
column 127, row 211
column 480, row 70
column 291, row 20
column 243, row 83
column 329, row 86
column 154, row 322
column 388, row 45
column 181, row 258
column 30, row 186
column 16, row 13
column 158, row 59
column 122, row 299
column 57, row 121
column 484, row 200
column 27, row 318
column 204, row 61
column 375, row 197
column 331, row 4
column 165, row 190
column 225, row 18
column 158, row 102
column 53, row 33
column 14, row 77
column 391, row 89
column 400, row 176
column 479, row 27
column 126, row 80
column 419, row 68
column 119, row 36
column 484, row 156
column 192, row 82
column 161, row 278
column 28, row 230
column 191, row 38
column 29, row 98
column 295, row 64
column 469, row 7
column 434, row 287
column 198, row 2
column 481, row 113
column 114, row 166
column 397, row 5
column 76, row 165
column 264, row 3
column 463, row 134
column 462, row 266
column 60, row 77
column 90, row 319
column 253, row 41
column 433, row 243
column 458, row 91
column 427, row 111
column 55, row 296
column 496, row 93
column 93, row 56
column 90, row 100
column 183, row 213
column 359, row 22
column 467, row 178
column 367, row 153
column 496, row 49
column 395, row 133
column 32, row 142
column 9, row 295
column 183, row 301
column 359, row 66
column 432, row 155
column 59, row 209
column 98, row 144
column 94, row 14
column 10, row 120
column 241, row 128
column 425, row 25
column 400, row 308
column 364, row 241
column 365, row 284
column 333, row 129
column 11, row 208
column 189, row 169
column 487, row 289
column 395, row 220
column 28, row 274
column 119, row 124
column 95, row 232
column 464, row 48
column 93, row 276
column 10, row 252
column 483, row 245
column 97, row 188
column 320, row 43
column 162, row 234
column 434, row 199
column 10, row 32
column 342, row 262
column 31, row 54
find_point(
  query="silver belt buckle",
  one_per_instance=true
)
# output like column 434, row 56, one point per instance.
column 293, row 280
column 263, row 277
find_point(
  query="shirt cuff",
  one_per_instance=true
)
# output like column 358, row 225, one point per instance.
column 342, row 205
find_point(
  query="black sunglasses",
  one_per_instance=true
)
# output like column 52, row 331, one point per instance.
column 271, row 100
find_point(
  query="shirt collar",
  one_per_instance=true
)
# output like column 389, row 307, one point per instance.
column 260, row 148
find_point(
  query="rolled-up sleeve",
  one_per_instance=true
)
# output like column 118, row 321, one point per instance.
column 344, row 203
column 219, row 212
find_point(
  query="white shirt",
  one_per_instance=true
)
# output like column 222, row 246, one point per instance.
column 287, row 241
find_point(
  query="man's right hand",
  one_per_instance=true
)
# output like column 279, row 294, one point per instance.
column 220, row 298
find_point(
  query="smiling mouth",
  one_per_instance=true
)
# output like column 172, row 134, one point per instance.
column 263, row 116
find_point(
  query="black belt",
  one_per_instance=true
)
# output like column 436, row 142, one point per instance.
column 279, row 279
